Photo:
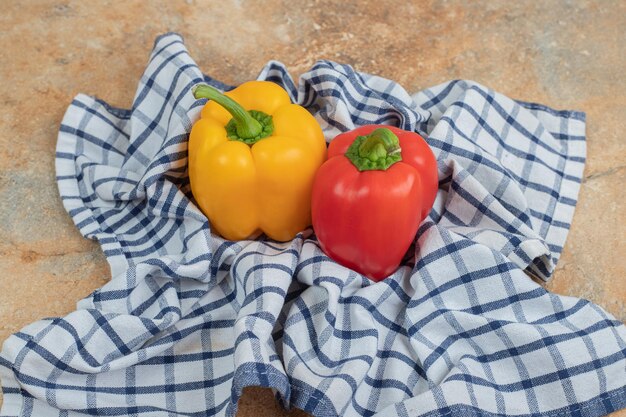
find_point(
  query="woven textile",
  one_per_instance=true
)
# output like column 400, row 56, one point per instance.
column 188, row 319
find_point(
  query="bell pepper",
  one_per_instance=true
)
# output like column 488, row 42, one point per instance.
column 252, row 160
column 369, row 197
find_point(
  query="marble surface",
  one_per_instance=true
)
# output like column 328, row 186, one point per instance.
column 566, row 54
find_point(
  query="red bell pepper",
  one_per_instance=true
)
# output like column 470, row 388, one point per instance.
column 369, row 197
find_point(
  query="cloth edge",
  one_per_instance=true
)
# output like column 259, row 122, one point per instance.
column 67, row 185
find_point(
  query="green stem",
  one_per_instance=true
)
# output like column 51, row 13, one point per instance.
column 377, row 151
column 246, row 126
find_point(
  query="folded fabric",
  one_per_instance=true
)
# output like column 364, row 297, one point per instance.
column 189, row 319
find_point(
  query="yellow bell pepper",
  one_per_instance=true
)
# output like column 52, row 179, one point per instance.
column 252, row 159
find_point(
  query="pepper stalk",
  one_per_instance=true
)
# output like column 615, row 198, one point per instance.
column 245, row 126
column 377, row 151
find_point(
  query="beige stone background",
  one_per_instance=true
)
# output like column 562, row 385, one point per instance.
column 566, row 54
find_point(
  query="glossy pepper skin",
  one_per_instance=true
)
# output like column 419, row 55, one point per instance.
column 370, row 196
column 252, row 160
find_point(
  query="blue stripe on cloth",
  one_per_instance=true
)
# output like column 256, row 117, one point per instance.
column 189, row 320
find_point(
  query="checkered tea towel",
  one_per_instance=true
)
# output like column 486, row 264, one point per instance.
column 188, row 319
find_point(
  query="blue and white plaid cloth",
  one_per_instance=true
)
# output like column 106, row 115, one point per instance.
column 188, row 319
